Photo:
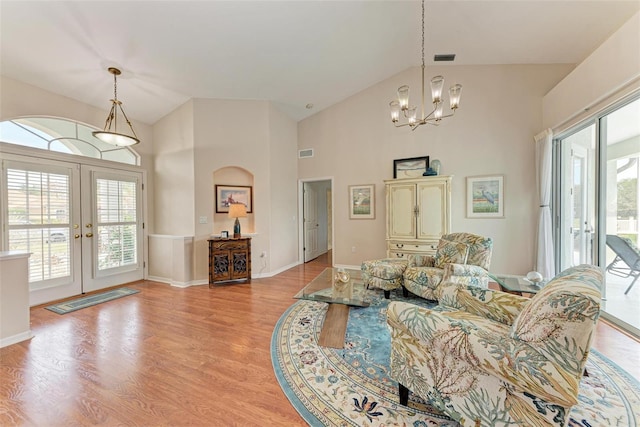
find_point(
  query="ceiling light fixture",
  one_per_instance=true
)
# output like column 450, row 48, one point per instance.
column 435, row 116
column 113, row 137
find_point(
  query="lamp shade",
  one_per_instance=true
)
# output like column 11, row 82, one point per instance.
column 436, row 88
column 403, row 97
column 237, row 210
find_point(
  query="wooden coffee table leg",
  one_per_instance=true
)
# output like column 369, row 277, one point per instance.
column 334, row 327
column 503, row 289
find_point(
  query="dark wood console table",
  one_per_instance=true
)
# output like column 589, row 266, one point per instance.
column 229, row 260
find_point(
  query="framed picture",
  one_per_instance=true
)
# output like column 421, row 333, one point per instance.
column 485, row 196
column 224, row 234
column 228, row 194
column 410, row 168
column 362, row 201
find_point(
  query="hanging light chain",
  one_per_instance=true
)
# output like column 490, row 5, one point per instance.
column 422, row 33
column 115, row 86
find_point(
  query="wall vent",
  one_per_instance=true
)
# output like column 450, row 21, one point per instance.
column 305, row 153
column 444, row 57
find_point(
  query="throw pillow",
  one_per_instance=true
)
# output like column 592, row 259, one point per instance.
column 451, row 253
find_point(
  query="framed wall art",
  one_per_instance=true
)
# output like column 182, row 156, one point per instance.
column 413, row 167
column 485, row 196
column 362, row 201
column 228, row 194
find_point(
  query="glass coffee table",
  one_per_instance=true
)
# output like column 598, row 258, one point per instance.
column 326, row 288
column 340, row 296
column 515, row 284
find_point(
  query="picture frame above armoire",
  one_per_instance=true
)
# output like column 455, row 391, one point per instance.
column 412, row 167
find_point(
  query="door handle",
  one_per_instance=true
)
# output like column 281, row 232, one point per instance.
column 77, row 236
column 88, row 225
column 89, row 235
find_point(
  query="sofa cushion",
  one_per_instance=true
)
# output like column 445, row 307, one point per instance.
column 423, row 281
column 449, row 252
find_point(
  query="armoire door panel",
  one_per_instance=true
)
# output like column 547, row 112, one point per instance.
column 401, row 219
column 431, row 205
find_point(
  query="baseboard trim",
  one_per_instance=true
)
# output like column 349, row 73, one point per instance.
column 206, row 282
column 273, row 273
column 14, row 339
column 177, row 284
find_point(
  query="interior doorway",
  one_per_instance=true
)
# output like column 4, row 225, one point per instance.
column 316, row 213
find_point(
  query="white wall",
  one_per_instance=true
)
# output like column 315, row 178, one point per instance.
column 501, row 111
column 14, row 297
column 283, row 172
column 611, row 70
column 174, row 172
column 209, row 138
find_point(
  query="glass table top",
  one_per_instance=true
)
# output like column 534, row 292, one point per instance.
column 327, row 288
column 517, row 283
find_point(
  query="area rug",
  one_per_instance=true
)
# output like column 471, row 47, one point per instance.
column 352, row 387
column 84, row 302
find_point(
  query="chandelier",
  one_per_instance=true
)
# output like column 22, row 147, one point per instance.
column 112, row 136
column 410, row 113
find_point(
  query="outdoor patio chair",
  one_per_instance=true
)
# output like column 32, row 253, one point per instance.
column 627, row 260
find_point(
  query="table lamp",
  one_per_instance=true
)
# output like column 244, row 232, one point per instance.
column 237, row 210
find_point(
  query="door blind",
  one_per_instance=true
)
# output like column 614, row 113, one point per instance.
column 116, row 208
column 38, row 219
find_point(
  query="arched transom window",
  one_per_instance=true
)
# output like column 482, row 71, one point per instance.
column 63, row 136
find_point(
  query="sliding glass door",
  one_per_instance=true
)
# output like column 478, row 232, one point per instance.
column 597, row 172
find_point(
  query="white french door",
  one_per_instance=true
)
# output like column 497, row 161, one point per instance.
column 583, row 212
column 41, row 209
column 82, row 225
column 112, row 227
column 577, row 220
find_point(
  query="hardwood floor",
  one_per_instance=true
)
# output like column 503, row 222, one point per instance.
column 171, row 356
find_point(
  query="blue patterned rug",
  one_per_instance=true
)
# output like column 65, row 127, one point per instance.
column 84, row 302
column 352, row 387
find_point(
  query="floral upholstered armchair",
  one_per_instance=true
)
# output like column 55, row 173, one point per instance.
column 497, row 359
column 462, row 258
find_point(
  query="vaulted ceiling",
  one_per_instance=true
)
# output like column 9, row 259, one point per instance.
column 289, row 52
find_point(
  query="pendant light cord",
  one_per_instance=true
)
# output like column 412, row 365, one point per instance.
column 422, row 33
column 115, row 86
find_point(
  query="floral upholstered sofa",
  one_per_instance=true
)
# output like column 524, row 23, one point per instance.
column 489, row 358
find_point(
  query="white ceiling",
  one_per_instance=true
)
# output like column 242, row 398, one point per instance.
column 289, row 52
